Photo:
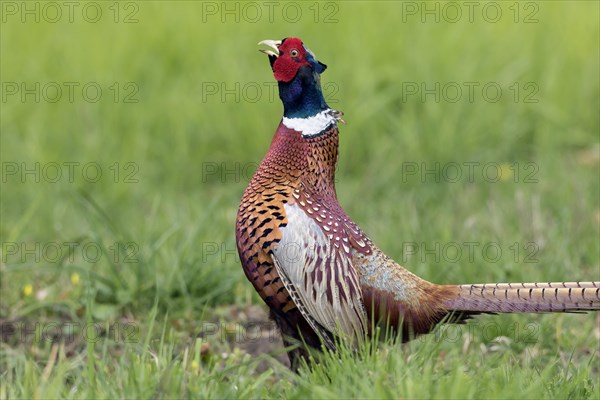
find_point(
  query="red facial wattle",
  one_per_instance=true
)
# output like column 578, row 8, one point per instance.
column 286, row 66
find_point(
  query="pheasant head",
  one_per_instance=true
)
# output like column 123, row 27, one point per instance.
column 297, row 72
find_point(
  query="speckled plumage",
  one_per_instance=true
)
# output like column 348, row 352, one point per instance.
column 317, row 271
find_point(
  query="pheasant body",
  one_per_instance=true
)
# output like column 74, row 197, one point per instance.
column 317, row 271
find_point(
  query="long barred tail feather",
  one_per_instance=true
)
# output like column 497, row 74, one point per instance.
column 524, row 297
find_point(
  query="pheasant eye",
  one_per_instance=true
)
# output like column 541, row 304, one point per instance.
column 294, row 53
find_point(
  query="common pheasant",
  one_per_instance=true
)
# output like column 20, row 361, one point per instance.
column 320, row 275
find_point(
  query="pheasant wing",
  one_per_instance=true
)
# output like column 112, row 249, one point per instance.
column 320, row 278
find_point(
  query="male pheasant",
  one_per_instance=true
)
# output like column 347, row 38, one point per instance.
column 320, row 275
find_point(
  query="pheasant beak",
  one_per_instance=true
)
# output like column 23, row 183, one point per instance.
column 273, row 44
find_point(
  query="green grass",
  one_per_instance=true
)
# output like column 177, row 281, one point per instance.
column 162, row 213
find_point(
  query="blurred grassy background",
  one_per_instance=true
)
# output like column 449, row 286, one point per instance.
column 184, row 153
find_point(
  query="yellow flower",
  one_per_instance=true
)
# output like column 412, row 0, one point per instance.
column 506, row 172
column 195, row 366
column 75, row 279
column 27, row 290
